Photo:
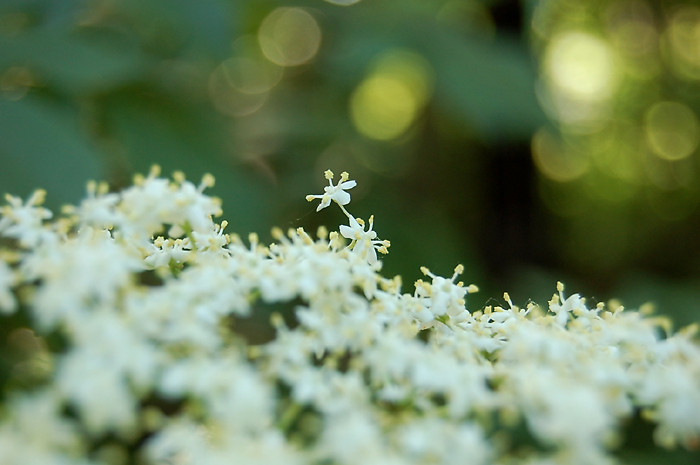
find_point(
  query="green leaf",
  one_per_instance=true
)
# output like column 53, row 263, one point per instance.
column 487, row 84
column 202, row 29
column 43, row 146
column 77, row 63
column 491, row 85
column 191, row 139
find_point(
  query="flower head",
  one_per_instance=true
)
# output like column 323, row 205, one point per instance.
column 332, row 192
column 153, row 306
column 24, row 220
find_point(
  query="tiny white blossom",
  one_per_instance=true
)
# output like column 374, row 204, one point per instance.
column 562, row 308
column 364, row 243
column 336, row 192
column 24, row 220
column 442, row 296
column 98, row 209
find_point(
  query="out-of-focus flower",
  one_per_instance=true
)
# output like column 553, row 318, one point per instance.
column 143, row 309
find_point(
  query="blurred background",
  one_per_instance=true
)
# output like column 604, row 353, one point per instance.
column 532, row 141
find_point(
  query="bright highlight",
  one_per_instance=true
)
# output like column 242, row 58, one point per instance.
column 387, row 102
column 289, row 36
column 581, row 66
column 672, row 130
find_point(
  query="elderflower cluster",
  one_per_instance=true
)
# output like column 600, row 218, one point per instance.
column 142, row 333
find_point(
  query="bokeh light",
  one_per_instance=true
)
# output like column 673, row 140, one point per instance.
column 343, row 2
column 580, row 65
column 554, row 161
column 633, row 34
column 389, row 99
column 289, row 36
column 250, row 76
column 672, row 130
column 683, row 41
column 619, row 162
column 240, row 84
column 580, row 68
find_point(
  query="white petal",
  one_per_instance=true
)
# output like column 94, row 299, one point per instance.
column 342, row 197
column 347, row 232
column 372, row 258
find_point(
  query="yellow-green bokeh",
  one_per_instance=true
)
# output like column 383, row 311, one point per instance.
column 389, row 99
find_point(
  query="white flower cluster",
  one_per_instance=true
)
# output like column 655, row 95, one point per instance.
column 134, row 311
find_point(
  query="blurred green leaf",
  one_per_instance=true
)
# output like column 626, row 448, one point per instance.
column 43, row 145
column 157, row 131
column 489, row 84
column 76, row 63
column 203, row 28
column 677, row 298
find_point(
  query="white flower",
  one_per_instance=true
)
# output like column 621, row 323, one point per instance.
column 332, row 192
column 442, row 297
column 432, row 440
column 7, row 280
column 78, row 274
column 353, row 434
column 229, row 389
column 178, row 364
column 98, row 209
column 24, row 220
column 214, row 240
column 33, row 431
column 154, row 202
column 364, row 243
column 562, row 308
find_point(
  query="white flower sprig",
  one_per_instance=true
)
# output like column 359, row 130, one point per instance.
column 363, row 243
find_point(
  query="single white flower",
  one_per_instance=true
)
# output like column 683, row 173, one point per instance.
column 98, row 209
column 24, row 221
column 564, row 308
column 364, row 243
column 332, row 192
